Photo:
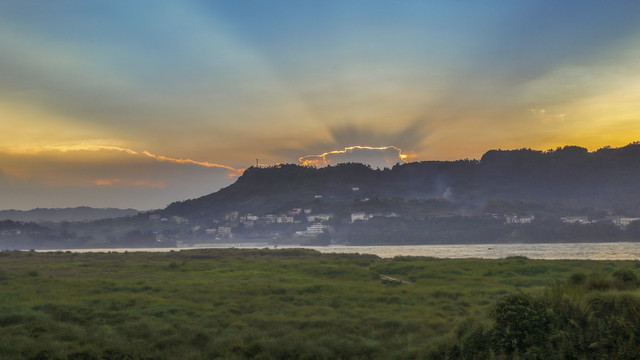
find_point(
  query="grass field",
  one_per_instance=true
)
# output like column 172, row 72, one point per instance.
column 267, row 304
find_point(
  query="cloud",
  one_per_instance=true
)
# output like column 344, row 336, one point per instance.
column 376, row 157
column 111, row 182
column 547, row 117
column 233, row 172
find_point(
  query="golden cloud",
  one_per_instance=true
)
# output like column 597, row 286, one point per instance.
column 387, row 156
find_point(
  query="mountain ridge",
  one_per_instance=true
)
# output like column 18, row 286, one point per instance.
column 71, row 214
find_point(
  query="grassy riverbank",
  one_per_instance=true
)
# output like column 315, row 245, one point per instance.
column 269, row 304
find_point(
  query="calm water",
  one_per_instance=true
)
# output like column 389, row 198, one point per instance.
column 595, row 251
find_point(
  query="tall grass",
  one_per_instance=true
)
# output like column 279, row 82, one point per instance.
column 292, row 303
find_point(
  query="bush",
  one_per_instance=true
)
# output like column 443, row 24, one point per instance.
column 625, row 279
column 615, row 321
column 521, row 322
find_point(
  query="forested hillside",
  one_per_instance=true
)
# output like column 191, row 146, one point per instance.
column 606, row 178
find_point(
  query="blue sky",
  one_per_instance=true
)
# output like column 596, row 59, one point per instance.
column 194, row 91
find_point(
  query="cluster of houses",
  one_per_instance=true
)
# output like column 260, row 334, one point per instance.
column 619, row 221
column 317, row 224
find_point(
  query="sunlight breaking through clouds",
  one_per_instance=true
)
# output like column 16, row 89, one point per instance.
column 376, row 156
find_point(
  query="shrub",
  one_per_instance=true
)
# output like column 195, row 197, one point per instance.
column 521, row 322
column 615, row 322
column 625, row 279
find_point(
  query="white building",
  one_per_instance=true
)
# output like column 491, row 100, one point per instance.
column 513, row 219
column 622, row 222
column 316, row 229
column 284, row 219
column 576, row 220
column 313, row 230
column 360, row 216
column 224, row 231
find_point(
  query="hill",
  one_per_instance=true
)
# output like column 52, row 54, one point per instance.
column 573, row 176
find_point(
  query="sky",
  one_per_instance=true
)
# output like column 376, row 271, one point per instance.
column 138, row 104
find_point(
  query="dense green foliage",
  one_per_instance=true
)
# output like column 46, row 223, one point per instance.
column 299, row 304
column 582, row 317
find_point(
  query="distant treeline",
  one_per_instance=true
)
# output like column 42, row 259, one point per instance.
column 81, row 213
column 479, row 230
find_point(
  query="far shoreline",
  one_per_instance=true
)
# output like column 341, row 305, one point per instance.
column 545, row 251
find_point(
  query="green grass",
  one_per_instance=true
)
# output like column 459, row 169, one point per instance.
column 246, row 304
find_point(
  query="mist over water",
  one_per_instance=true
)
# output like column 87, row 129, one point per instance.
column 589, row 251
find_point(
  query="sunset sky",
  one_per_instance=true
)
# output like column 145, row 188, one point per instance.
column 141, row 103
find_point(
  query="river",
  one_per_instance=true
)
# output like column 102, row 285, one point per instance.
column 593, row 251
